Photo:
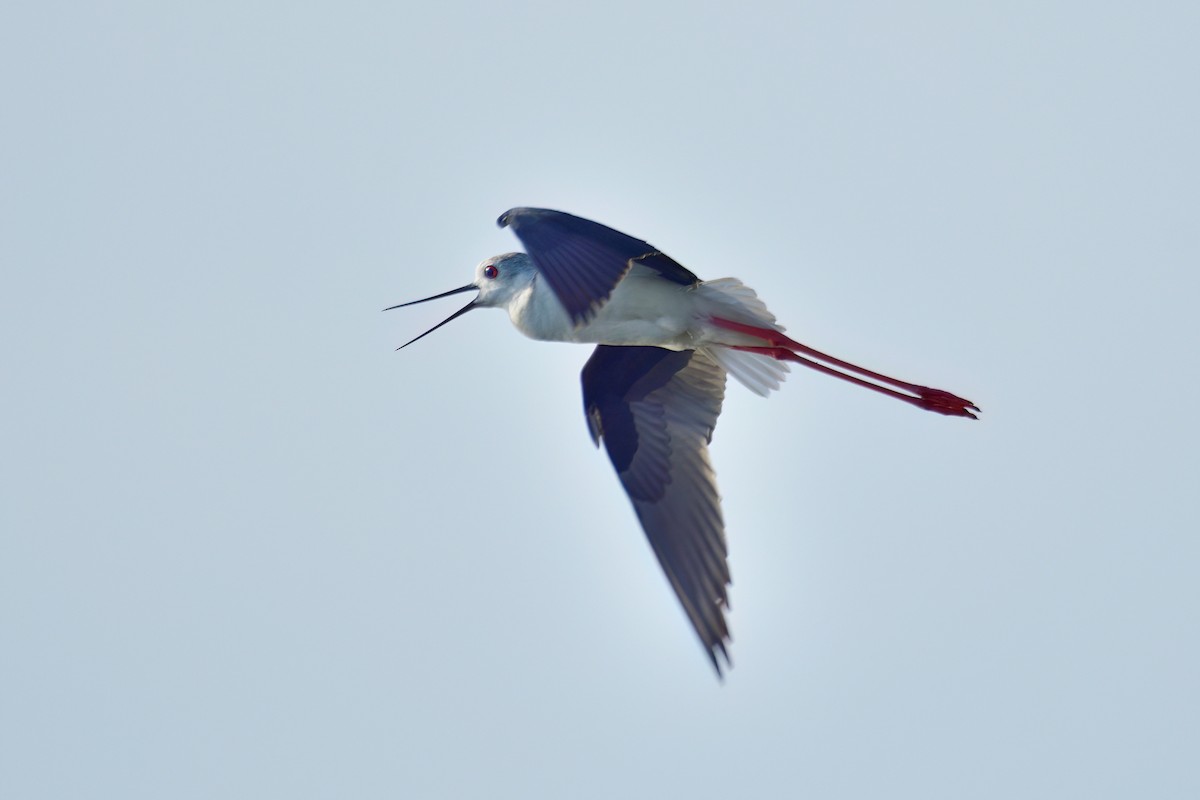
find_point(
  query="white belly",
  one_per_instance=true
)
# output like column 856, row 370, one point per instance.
column 646, row 311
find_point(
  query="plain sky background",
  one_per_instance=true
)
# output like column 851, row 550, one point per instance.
column 247, row 550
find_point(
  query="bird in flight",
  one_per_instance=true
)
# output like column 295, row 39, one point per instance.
column 653, row 387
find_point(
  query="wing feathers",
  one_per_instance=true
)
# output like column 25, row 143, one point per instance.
column 656, row 410
column 583, row 261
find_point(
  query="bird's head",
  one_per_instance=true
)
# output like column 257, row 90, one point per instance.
column 501, row 278
column 498, row 280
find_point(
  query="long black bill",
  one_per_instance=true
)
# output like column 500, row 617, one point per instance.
column 455, row 315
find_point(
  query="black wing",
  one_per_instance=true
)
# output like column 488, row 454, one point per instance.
column 583, row 261
column 656, row 410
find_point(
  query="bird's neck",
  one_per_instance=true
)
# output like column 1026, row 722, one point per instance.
column 536, row 312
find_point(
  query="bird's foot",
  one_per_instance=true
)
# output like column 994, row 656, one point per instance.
column 943, row 402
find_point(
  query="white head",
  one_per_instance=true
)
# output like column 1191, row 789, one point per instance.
column 501, row 278
column 498, row 280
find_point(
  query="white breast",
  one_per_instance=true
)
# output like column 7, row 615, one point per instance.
column 646, row 311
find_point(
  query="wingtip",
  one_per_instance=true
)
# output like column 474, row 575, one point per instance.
column 514, row 215
column 510, row 216
column 720, row 648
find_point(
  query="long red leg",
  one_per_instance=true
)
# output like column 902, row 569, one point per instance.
column 782, row 348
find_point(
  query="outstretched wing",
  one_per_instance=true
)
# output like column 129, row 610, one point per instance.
column 656, row 409
column 583, row 261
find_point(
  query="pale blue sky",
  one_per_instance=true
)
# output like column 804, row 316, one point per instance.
column 248, row 550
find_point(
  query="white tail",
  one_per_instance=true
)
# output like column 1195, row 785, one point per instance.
column 729, row 298
column 758, row 373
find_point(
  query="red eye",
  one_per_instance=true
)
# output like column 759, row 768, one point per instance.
column 490, row 271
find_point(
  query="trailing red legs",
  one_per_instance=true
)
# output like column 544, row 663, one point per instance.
column 783, row 348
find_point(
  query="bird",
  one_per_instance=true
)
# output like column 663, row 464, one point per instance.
column 655, row 383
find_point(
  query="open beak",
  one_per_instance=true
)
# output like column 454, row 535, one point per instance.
column 469, row 287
